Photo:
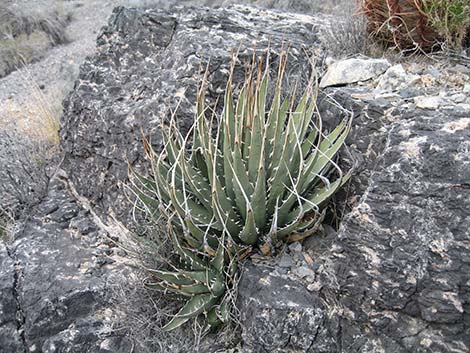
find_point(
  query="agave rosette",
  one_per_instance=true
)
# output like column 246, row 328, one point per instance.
column 263, row 177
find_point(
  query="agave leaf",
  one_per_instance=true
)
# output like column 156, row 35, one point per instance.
column 218, row 261
column 223, row 312
column 227, row 151
column 298, row 116
column 190, row 290
column 197, row 182
column 195, row 306
column 257, row 134
column 195, row 230
column 241, row 185
column 212, row 319
column 258, row 200
column 150, row 203
column 271, row 125
column 186, row 255
column 319, row 196
column 171, row 277
column 324, row 157
column 280, row 174
column 200, row 276
column 146, row 183
column 229, row 113
column 249, row 233
column 154, row 285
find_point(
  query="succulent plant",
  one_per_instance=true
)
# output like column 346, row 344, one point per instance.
column 400, row 23
column 252, row 177
column 419, row 24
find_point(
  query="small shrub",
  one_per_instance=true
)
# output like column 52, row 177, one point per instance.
column 263, row 179
column 451, row 19
column 418, row 24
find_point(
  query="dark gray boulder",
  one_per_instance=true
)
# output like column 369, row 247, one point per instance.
column 279, row 314
column 396, row 277
column 54, row 281
column 10, row 318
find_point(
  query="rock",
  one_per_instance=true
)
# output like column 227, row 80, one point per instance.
column 279, row 315
column 286, row 261
column 11, row 318
column 460, row 69
column 353, row 70
column 398, row 267
column 459, row 97
column 395, row 278
column 48, row 303
column 304, row 272
column 433, row 72
column 466, row 88
column 320, row 242
column 295, row 247
column 428, row 102
column 395, row 79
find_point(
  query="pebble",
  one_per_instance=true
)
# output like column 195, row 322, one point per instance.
column 295, row 247
column 305, row 272
column 459, row 98
column 286, row 261
column 428, row 102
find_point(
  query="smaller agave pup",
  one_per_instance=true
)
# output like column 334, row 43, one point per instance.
column 255, row 176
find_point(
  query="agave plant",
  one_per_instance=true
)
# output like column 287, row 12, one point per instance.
column 256, row 175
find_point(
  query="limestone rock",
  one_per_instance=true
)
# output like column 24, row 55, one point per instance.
column 396, row 78
column 428, row 102
column 280, row 315
column 353, row 70
column 396, row 277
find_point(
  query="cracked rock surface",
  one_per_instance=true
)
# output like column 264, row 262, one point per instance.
column 53, row 281
column 393, row 278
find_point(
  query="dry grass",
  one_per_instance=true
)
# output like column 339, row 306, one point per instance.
column 39, row 117
column 27, row 33
column 348, row 35
column 29, row 141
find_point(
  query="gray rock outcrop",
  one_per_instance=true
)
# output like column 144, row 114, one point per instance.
column 395, row 276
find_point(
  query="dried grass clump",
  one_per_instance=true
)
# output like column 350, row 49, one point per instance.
column 27, row 33
column 23, row 172
column 347, row 35
column 28, row 144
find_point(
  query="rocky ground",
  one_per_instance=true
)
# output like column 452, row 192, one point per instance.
column 393, row 278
